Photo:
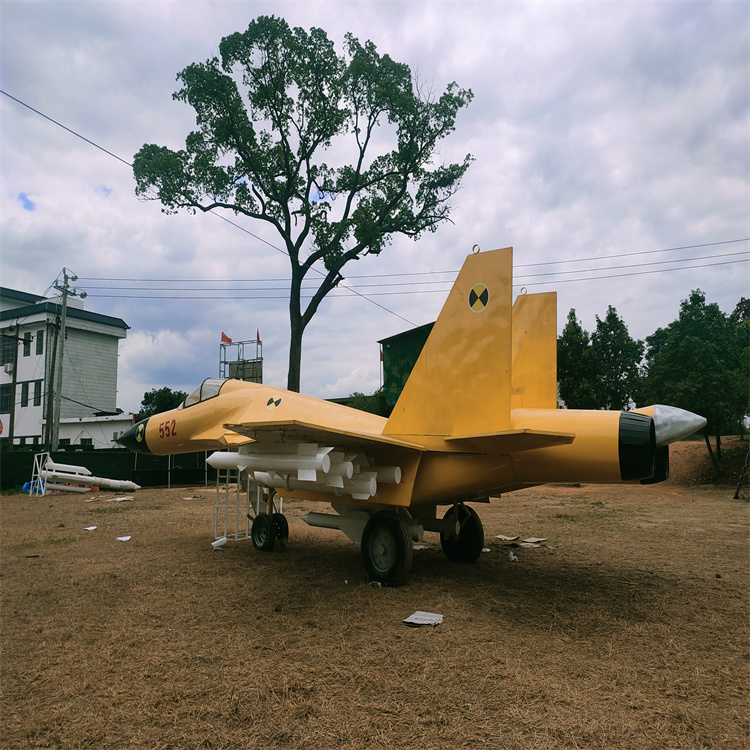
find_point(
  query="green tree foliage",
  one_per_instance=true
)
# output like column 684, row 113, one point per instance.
column 699, row 362
column 576, row 371
column 617, row 358
column 158, row 400
column 600, row 371
column 740, row 317
column 276, row 103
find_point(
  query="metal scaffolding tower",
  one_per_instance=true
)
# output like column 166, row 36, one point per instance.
column 236, row 360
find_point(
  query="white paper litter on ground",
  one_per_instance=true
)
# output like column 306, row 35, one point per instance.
column 506, row 538
column 126, row 499
column 418, row 547
column 534, row 540
column 418, row 619
column 219, row 542
column 123, row 538
column 90, row 528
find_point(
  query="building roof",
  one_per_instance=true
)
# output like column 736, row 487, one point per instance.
column 419, row 332
column 33, row 304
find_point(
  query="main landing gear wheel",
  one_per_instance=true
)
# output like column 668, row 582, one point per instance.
column 467, row 546
column 386, row 548
column 263, row 532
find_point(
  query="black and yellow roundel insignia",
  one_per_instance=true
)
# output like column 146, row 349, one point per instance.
column 479, row 296
column 139, row 433
column 273, row 402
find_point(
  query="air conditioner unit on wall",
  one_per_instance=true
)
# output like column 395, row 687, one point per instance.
column 8, row 367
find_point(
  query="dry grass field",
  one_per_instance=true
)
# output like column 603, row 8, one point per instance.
column 628, row 628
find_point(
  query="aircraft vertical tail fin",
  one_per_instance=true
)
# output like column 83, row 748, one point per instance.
column 534, row 352
column 461, row 383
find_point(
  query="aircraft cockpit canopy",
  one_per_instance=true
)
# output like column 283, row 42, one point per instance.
column 209, row 388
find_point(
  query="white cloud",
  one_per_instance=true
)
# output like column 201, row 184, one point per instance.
column 597, row 129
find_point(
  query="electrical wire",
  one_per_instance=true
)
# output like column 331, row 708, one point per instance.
column 333, row 294
column 353, row 292
column 218, row 216
column 391, row 284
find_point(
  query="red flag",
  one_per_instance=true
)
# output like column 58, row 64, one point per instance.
column 257, row 334
column 225, row 339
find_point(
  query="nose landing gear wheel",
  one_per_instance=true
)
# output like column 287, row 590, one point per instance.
column 386, row 548
column 467, row 546
column 263, row 532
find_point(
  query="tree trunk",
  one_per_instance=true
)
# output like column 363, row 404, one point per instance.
column 296, row 329
column 295, row 356
column 711, row 451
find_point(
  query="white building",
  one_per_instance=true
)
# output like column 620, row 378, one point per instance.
column 28, row 348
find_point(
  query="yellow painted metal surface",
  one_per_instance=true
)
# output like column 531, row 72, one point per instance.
column 534, row 352
column 477, row 416
column 461, row 381
column 592, row 457
column 202, row 426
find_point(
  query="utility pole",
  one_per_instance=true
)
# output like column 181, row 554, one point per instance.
column 65, row 291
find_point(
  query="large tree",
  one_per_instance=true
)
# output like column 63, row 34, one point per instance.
column 618, row 358
column 699, row 362
column 601, row 370
column 277, row 102
column 577, row 375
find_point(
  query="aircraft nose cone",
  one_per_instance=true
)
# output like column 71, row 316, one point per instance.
column 135, row 437
column 673, row 424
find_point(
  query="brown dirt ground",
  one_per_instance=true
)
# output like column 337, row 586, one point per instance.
column 627, row 629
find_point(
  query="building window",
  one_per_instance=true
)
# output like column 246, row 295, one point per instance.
column 87, row 441
column 6, row 398
column 37, row 393
column 27, row 344
column 24, row 394
column 40, row 342
column 7, row 350
column 64, row 442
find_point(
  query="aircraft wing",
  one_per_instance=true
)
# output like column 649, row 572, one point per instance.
column 511, row 441
column 304, row 432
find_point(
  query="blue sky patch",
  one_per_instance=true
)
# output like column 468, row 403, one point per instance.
column 27, row 204
column 104, row 190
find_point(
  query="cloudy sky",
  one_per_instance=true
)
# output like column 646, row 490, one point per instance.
column 606, row 136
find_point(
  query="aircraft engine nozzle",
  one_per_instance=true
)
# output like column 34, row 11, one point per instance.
column 636, row 446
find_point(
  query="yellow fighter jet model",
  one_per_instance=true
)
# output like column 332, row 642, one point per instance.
column 477, row 417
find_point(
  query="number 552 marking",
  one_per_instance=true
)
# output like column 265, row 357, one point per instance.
column 167, row 429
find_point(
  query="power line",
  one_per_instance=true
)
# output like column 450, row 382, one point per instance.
column 219, row 216
column 354, row 292
column 60, row 125
column 411, row 291
column 390, row 284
